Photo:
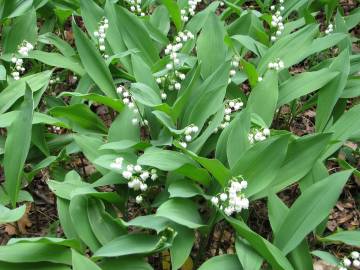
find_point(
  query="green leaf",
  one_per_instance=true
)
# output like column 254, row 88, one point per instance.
column 134, row 35
column 309, row 210
column 249, row 259
column 145, row 95
column 126, row 263
column 238, row 140
column 300, row 158
column 261, row 163
column 351, row 238
column 182, row 246
column 15, row 156
column 35, row 252
column 11, row 215
column 23, row 28
column 174, row 12
column 181, row 211
column 16, row 90
column 343, row 129
column 327, row 257
column 184, row 189
column 116, row 104
column 228, row 262
column 79, row 218
column 61, row 45
column 93, row 63
column 131, row 244
column 264, row 97
column 303, row 84
column 211, row 48
column 58, row 60
column 80, row 262
column 165, row 160
column 268, row 251
column 329, row 94
column 80, row 118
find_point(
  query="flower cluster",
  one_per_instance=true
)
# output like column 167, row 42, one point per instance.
column 185, row 14
column 329, row 29
column 172, row 79
column 353, row 261
column 25, row 48
column 135, row 7
column 18, row 67
column 235, row 65
column 232, row 200
column 257, row 135
column 276, row 20
column 189, row 130
column 100, row 34
column 277, row 65
column 53, row 81
column 231, row 106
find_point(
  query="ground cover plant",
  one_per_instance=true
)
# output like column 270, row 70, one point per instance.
column 187, row 134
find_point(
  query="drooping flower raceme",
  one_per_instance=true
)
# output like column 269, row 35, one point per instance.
column 136, row 176
column 190, row 10
column 235, row 63
column 278, row 64
column 353, row 261
column 231, row 106
column 100, row 34
column 23, row 50
column 135, row 7
column 173, row 77
column 329, row 29
column 232, row 199
column 277, row 20
column 188, row 134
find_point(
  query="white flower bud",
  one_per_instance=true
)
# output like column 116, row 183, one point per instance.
column 177, row 86
column 346, row 262
column 266, row 131
column 355, row 255
column 127, row 174
column 214, row 200
column 356, row 263
column 143, row 187
column 183, row 144
column 223, row 197
column 188, row 138
column 154, row 176
column 139, row 199
column 134, row 121
column 137, row 168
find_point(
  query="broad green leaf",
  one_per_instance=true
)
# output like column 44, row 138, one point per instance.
column 249, row 259
column 35, row 252
column 47, row 240
column 11, row 215
column 145, row 95
column 165, row 160
column 34, row 266
column 182, row 246
column 174, row 11
column 264, row 97
column 343, row 129
column 15, row 156
column 81, row 224
column 309, row 210
column 131, row 244
column 228, row 262
column 181, row 211
column 80, row 118
column 327, row 257
column 268, row 251
column 261, row 163
column 92, row 15
column 58, row 60
column 126, row 263
column 301, row 155
column 211, row 48
column 184, row 189
column 16, row 90
column 351, row 238
column 80, row 262
column 303, row 84
column 23, row 28
column 61, row 45
column 93, row 63
column 329, row 94
column 116, row 104
column 150, row 222
column 122, row 127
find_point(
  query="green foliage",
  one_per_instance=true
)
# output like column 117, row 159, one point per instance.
column 182, row 118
